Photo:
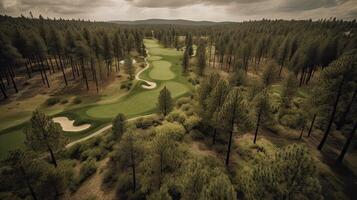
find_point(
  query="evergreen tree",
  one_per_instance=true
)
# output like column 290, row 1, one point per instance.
column 263, row 111
column 44, row 134
column 336, row 81
column 232, row 112
column 347, row 143
column 201, row 60
column 214, row 101
column 24, row 170
column 119, row 125
column 165, row 103
column 185, row 62
column 289, row 174
column 129, row 67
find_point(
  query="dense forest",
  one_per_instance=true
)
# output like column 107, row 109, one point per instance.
column 270, row 111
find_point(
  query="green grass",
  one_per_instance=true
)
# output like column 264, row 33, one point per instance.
column 161, row 70
column 137, row 102
column 154, row 58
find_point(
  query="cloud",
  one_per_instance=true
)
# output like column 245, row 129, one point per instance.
column 184, row 3
column 65, row 7
column 215, row 10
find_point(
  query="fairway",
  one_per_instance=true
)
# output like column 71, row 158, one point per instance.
column 154, row 58
column 136, row 104
column 161, row 70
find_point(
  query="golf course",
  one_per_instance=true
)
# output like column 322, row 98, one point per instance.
column 163, row 69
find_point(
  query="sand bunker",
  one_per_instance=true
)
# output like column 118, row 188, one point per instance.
column 123, row 61
column 67, row 124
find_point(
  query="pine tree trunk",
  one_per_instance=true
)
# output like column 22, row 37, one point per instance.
column 13, row 82
column 332, row 116
column 84, row 73
column 3, row 89
column 302, row 132
column 62, row 69
column 347, row 144
column 28, row 184
column 312, row 125
column 258, row 123
column 214, row 136
column 27, row 70
column 133, row 170
column 54, row 161
column 44, row 71
column 342, row 121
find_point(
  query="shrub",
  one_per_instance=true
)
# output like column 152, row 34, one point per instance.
column 52, row 101
column 64, row 101
column 183, row 100
column 77, row 100
column 176, row 116
column 191, row 123
column 146, row 122
column 109, row 177
column 197, row 135
column 88, row 168
column 175, row 131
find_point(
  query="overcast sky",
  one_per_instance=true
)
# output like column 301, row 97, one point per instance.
column 214, row 10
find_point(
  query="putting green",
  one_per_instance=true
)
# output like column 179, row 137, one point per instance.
column 137, row 103
column 154, row 58
column 161, row 70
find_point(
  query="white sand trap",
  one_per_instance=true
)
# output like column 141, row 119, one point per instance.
column 67, row 124
column 123, row 61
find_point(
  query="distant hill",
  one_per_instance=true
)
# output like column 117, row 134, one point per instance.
column 170, row 21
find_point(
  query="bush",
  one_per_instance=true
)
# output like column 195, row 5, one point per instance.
column 191, row 123
column 182, row 100
column 64, row 101
column 197, row 135
column 52, row 101
column 77, row 100
column 176, row 116
column 109, row 177
column 88, row 168
column 175, row 131
column 146, row 122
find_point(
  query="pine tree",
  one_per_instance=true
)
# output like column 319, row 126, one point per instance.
column 290, row 173
column 201, row 60
column 347, row 143
column 24, row 170
column 232, row 112
column 185, row 62
column 165, row 103
column 119, row 125
column 44, row 134
column 214, row 101
column 263, row 111
column 335, row 83
column 129, row 67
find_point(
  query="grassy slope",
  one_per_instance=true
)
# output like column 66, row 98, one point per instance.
column 139, row 101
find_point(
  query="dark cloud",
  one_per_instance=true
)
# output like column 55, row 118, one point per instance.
column 299, row 5
column 65, row 7
column 183, row 3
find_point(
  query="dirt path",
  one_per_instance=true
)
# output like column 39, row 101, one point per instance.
column 150, row 85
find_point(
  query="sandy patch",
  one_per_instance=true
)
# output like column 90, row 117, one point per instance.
column 123, row 61
column 67, row 124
